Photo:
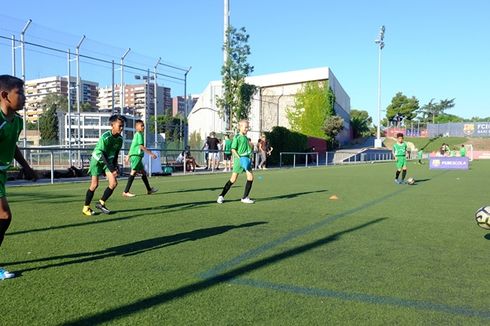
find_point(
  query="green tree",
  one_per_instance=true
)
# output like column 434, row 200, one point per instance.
column 360, row 122
column 195, row 140
column 86, row 107
column 313, row 104
column 48, row 126
column 402, row 106
column 60, row 102
column 237, row 96
column 445, row 118
column 173, row 127
column 433, row 109
column 332, row 127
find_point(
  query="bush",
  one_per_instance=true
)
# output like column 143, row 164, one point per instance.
column 284, row 140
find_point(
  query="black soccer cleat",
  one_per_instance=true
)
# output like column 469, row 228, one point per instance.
column 102, row 208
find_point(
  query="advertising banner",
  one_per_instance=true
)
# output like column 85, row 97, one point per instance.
column 449, row 163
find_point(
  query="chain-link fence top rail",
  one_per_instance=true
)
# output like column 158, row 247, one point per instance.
column 46, row 52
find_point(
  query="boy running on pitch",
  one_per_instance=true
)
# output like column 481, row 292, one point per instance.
column 104, row 160
column 400, row 150
column 241, row 153
column 12, row 99
column 135, row 157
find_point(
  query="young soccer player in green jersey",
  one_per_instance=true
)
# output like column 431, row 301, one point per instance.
column 12, row 99
column 227, row 153
column 241, row 153
column 135, row 157
column 104, row 160
column 462, row 151
column 400, row 150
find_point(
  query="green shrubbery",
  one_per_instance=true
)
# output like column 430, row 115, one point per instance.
column 285, row 140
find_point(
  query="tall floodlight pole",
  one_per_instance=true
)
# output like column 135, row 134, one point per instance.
column 381, row 44
column 68, row 119
column 122, row 87
column 23, row 63
column 155, row 100
column 226, row 27
column 78, row 90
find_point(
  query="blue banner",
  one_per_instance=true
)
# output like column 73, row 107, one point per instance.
column 449, row 163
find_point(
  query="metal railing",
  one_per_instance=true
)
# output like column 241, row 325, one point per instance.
column 307, row 159
column 55, row 158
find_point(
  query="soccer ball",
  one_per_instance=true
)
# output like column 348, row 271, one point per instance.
column 482, row 217
column 411, row 181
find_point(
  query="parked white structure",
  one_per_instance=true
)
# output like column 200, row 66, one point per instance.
column 92, row 126
column 276, row 92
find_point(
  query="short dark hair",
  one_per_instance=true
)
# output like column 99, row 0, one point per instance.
column 399, row 135
column 139, row 121
column 8, row 83
column 115, row 117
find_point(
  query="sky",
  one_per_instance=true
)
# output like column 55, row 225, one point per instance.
column 434, row 49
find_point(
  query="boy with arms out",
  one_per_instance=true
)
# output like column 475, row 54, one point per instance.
column 241, row 152
column 104, row 160
column 12, row 99
column 400, row 150
column 135, row 158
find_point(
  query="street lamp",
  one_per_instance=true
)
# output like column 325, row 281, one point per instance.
column 146, row 79
column 381, row 44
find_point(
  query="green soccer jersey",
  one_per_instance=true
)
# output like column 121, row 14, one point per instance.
column 462, row 152
column 241, row 145
column 135, row 149
column 400, row 149
column 227, row 148
column 108, row 144
column 9, row 134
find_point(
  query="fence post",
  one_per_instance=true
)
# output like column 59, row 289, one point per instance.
column 306, row 160
column 294, row 161
column 185, row 162
column 280, row 160
column 316, row 158
column 52, row 166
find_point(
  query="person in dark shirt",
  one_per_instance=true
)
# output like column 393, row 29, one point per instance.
column 213, row 149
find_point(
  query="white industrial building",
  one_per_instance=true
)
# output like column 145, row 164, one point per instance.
column 275, row 93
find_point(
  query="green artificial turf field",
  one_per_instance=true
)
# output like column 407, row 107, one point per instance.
column 381, row 253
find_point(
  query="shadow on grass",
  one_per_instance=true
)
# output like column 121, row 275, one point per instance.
column 134, row 248
column 190, row 190
column 17, row 196
column 149, row 302
column 420, row 181
column 153, row 210
column 487, row 236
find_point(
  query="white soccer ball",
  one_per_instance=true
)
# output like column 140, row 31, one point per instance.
column 482, row 217
column 411, row 181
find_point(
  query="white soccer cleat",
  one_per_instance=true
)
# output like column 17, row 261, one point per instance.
column 5, row 275
column 247, row 201
column 220, row 200
column 128, row 194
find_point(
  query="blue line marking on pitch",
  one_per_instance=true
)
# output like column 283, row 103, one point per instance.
column 358, row 297
column 291, row 235
column 364, row 298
